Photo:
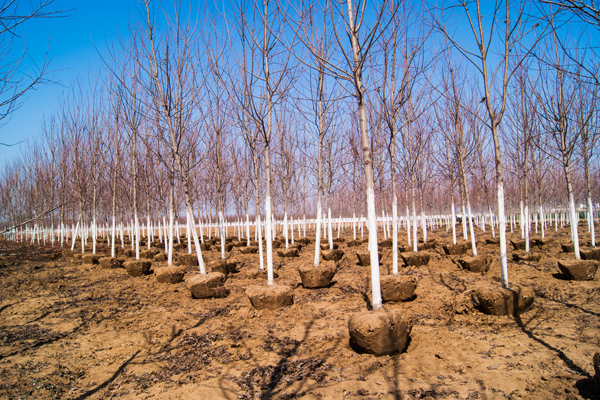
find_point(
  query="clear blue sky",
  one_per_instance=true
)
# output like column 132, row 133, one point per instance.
column 70, row 43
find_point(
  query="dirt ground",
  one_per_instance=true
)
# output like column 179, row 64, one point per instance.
column 74, row 331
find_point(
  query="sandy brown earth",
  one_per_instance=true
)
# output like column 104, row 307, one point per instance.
column 74, row 331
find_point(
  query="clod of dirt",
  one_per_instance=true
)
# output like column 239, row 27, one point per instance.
column 578, row 270
column 542, row 242
column 570, row 247
column 397, row 287
column 288, row 253
column 457, row 249
column 67, row 253
column 415, row 258
column 207, row 286
column 530, row 257
column 149, row 254
column 317, row 277
column 596, row 361
column 590, row 254
column 520, row 244
column 364, row 258
column 475, row 263
column 137, row 267
column 332, row 255
column 111, row 263
column 501, row 301
column 379, row 332
column 427, row 246
column 169, row 274
column 224, row 267
column 91, row 259
column 270, row 297
column 249, row 250
column 326, row 246
column 189, row 260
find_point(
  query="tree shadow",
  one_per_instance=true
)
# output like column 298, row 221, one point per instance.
column 451, row 282
column 4, row 307
column 57, row 337
column 589, row 388
column 568, row 362
column 109, row 380
column 569, row 305
column 277, row 374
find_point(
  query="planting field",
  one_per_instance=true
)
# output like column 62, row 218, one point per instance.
column 70, row 330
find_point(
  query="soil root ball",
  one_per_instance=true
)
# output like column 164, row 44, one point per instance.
column 364, row 258
column 530, row 257
column 596, row 361
column 385, row 244
column 427, row 246
column 379, row 332
column 397, row 288
column 501, row 301
column 326, row 246
column 224, row 267
column 169, row 274
column 332, row 255
column 137, row 267
column 149, row 254
column 190, row 260
column 520, row 244
column 578, row 270
column 288, row 253
column 205, row 247
column 67, row 253
column 91, row 259
column 590, row 254
column 493, row 241
column 354, row 243
column 475, row 263
column 317, row 277
column 207, row 286
column 465, row 302
column 249, row 250
column 542, row 242
column 111, row 263
column 457, row 249
column 161, row 257
column 570, row 247
column 270, row 297
column 416, row 258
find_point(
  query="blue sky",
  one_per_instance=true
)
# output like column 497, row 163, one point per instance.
column 70, row 43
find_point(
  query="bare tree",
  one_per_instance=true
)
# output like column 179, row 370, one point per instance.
column 15, row 83
column 507, row 25
column 556, row 100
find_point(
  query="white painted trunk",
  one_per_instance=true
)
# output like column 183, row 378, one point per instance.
column 318, row 235
column 270, row 279
column 453, row 223
column 329, row 233
column 375, row 279
column 573, row 224
column 527, row 222
column 190, row 218
column 502, row 229
column 222, row 230
column 591, row 224
column 472, row 230
column 394, row 234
